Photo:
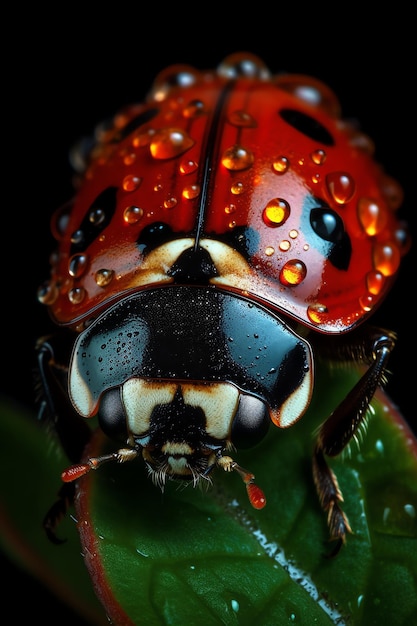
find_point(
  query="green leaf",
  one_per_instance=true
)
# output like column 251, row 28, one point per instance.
column 31, row 466
column 165, row 558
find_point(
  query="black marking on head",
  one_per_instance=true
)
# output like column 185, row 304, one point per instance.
column 177, row 422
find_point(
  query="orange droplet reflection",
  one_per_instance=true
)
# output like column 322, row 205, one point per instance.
column 293, row 272
column 276, row 212
column 372, row 216
column 169, row 142
column 341, row 187
column 237, row 158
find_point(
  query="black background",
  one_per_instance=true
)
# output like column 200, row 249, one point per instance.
column 64, row 73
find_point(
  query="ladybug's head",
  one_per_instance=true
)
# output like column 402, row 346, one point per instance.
column 170, row 373
column 182, row 429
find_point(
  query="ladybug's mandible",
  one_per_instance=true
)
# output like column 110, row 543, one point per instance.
column 222, row 234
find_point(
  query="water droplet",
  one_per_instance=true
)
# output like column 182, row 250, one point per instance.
column 131, row 182
column 235, row 606
column 280, row 165
column 284, row 245
column 293, row 233
column 317, row 313
column 243, row 64
column 341, row 187
column 402, row 237
column 312, row 91
column 76, row 295
column 77, row 265
column 393, row 192
column 318, row 157
column 293, row 272
column 367, row 302
column 232, row 224
column 143, row 139
column 230, row 208
column 191, row 191
column 269, row 251
column 103, row 277
column 237, row 188
column 130, row 158
column 242, row 118
column 187, row 166
column 374, row 282
column 47, row 293
column 400, row 517
column 97, row 216
column 179, row 75
column 358, row 139
column 372, row 217
column 193, row 109
column 276, row 212
column 170, row 142
column 237, row 158
column 60, row 219
column 315, row 178
column 386, row 257
column 379, row 445
column 132, row 214
column 77, row 237
column 170, row 203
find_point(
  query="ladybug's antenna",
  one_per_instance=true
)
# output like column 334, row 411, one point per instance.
column 76, row 471
column 255, row 494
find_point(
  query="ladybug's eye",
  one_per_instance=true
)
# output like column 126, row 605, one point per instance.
column 111, row 415
column 251, row 422
column 307, row 125
column 153, row 236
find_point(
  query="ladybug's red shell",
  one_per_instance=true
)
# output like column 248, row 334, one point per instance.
column 260, row 172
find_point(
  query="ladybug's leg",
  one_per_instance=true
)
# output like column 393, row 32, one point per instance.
column 56, row 410
column 342, row 425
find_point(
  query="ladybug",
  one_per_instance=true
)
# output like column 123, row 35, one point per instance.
column 223, row 235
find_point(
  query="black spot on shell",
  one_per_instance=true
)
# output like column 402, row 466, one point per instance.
column 307, row 125
column 89, row 231
column 135, row 123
